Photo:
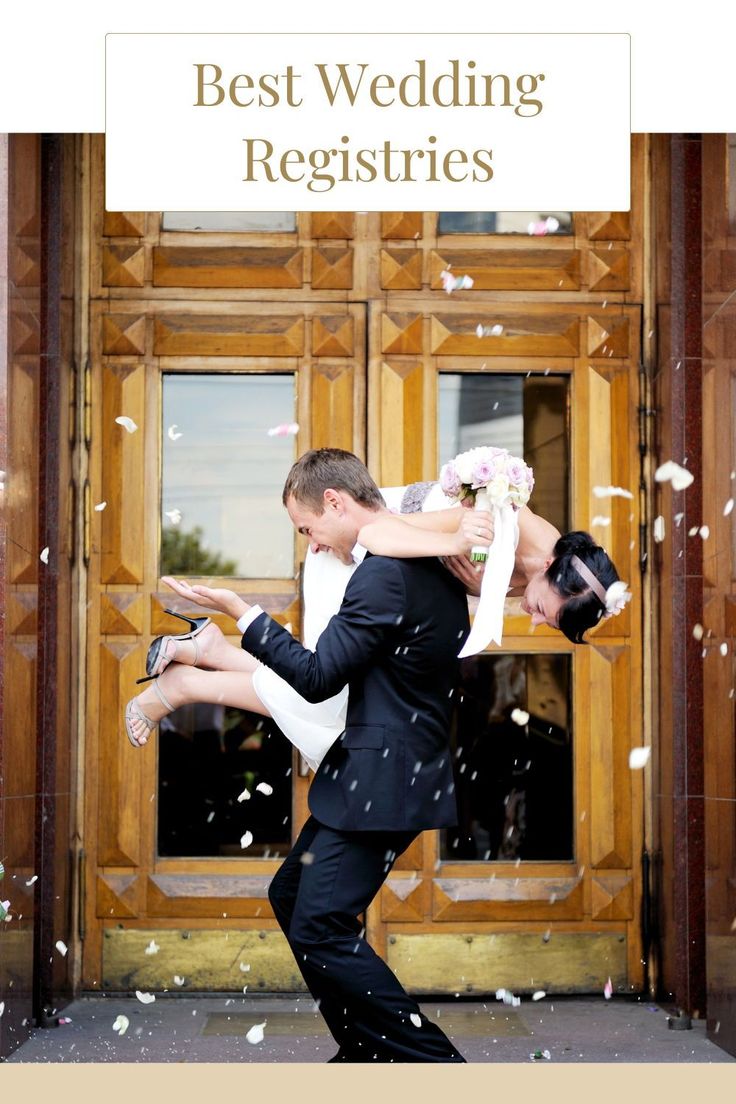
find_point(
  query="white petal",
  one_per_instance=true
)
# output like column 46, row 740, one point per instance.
column 479, row 330
column 519, row 716
column 611, row 492
column 178, row 980
column 659, row 529
column 724, row 649
column 44, row 557
column 152, row 948
column 244, row 967
column 171, row 435
column 728, row 507
column 127, row 423
column 121, row 1025
column 145, row 998
column 2, row 1007
column 679, row 477
column 100, row 507
column 416, row 1020
column 608, row 989
column 32, row 880
column 264, row 788
column 307, row 858
column 639, row 757
column 61, row 947
column 539, row 995
column 246, row 839
column 698, row 631
column 255, row 1033
column 286, row 429
column 599, row 519
column 704, row 532
column 174, row 516
column 245, row 795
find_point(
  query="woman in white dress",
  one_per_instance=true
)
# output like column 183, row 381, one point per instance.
column 549, row 575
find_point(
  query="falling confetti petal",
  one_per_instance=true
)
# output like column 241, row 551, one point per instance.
column 543, row 226
column 600, row 520
column 255, row 1034
column 2, row 1007
column 245, row 795
column 174, row 516
column 264, row 788
column 145, row 998
column 489, row 331
column 171, row 435
column 724, row 649
column 610, row 492
column 519, row 716
column 44, row 557
column 539, row 995
column 246, row 840
column 152, row 948
column 178, row 980
column 121, row 1025
column 127, row 423
column 100, row 507
column 608, row 989
column 32, row 880
column 698, row 632
column 639, row 757
column 659, row 529
column 244, row 967
column 455, row 283
column 680, row 478
column 704, row 532
column 728, row 507
column 416, row 1020
column 61, row 947
column 286, row 429
column 307, row 858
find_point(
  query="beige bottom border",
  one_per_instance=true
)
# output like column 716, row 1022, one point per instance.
column 115, row 1083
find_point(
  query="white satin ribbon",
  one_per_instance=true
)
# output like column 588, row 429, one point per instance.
column 488, row 623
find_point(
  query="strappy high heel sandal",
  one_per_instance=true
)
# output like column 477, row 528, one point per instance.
column 157, row 661
column 134, row 712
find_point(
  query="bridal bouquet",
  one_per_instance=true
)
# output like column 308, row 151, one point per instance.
column 492, row 477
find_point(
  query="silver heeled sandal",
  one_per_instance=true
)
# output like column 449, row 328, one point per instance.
column 157, row 661
column 134, row 711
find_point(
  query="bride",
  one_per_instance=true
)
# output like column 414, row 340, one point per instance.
column 562, row 581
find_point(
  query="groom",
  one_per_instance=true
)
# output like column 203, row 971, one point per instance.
column 388, row 777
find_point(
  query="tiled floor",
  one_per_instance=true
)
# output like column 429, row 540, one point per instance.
column 213, row 1029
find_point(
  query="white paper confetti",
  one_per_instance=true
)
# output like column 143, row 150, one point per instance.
column 307, row 858
column 728, row 507
column 704, row 532
column 698, row 631
column 539, row 995
column 724, row 649
column 145, row 998
column 488, row 331
column 246, row 839
column 152, row 948
column 286, row 429
column 172, row 435
column 174, row 516
column 658, row 529
column 245, row 795
column 2, row 1007
column 452, row 283
column 32, row 880
column 541, row 227
column 519, row 716
column 639, row 757
column 244, row 967
column 121, row 1025
column 127, row 423
column 61, row 947
column 670, row 472
column 611, row 492
column 599, row 519
column 415, row 1019
column 255, row 1033
column 100, row 507
column 608, row 989
column 44, row 557
column 178, row 980
column 264, row 788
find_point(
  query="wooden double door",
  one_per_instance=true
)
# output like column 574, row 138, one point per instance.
column 341, row 327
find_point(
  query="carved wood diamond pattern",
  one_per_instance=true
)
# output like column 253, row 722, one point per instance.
column 508, row 269
column 608, row 336
column 332, row 335
column 123, row 266
column 124, row 224
column 332, row 268
column 404, row 899
column 121, row 613
column 609, row 226
column 608, row 270
column 229, row 335
column 333, row 224
column 612, row 897
column 401, row 333
column 401, row 224
column 401, row 269
column 523, row 335
column 123, row 334
column 228, row 266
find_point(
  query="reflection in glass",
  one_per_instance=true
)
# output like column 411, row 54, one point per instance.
column 501, row 222
column 221, row 511
column 258, row 222
column 514, row 782
column 208, row 755
column 527, row 415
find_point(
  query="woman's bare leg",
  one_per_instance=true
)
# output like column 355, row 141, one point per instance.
column 209, row 649
column 183, row 685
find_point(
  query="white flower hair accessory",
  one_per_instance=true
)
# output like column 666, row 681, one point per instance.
column 614, row 599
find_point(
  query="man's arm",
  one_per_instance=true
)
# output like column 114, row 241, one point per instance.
column 453, row 533
column 369, row 616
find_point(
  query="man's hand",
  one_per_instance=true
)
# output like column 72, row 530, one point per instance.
column 475, row 528
column 224, row 601
column 470, row 574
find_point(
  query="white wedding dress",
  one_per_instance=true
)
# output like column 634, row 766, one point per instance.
column 314, row 726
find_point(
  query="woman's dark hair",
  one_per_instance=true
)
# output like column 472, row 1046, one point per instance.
column 582, row 608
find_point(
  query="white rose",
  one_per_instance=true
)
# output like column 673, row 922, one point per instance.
column 464, row 467
column 498, row 489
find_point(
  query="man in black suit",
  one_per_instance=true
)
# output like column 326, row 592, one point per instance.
column 394, row 642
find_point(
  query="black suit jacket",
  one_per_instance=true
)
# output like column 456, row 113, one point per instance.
column 394, row 641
